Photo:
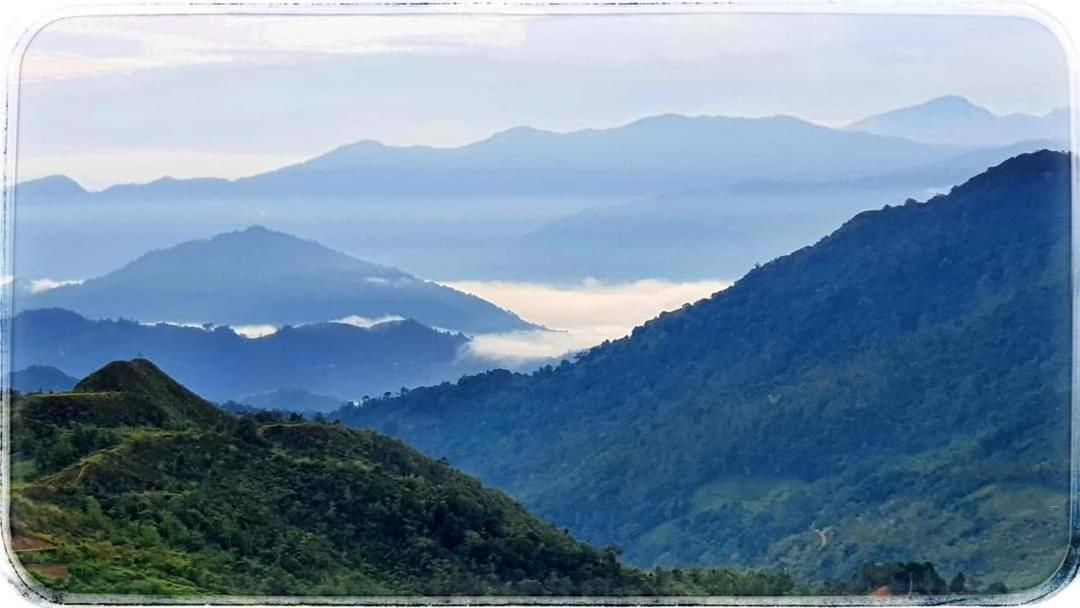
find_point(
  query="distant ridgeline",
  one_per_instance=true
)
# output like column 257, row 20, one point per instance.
column 341, row 326
column 526, row 203
column 899, row 391
column 258, row 276
column 329, row 358
column 131, row 484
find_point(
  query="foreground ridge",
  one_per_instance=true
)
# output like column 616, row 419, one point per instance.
column 902, row 374
column 132, row 468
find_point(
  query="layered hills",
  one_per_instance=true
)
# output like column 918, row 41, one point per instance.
column 336, row 359
column 651, row 155
column 520, row 204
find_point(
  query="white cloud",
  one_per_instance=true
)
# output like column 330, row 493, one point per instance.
column 38, row 67
column 187, row 324
column 261, row 330
column 516, row 347
column 40, row 285
column 590, row 304
column 92, row 46
column 366, row 322
column 585, row 314
column 254, row 331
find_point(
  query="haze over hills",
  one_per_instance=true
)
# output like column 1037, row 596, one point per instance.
column 51, row 189
column 733, row 228
column 325, row 358
column 259, row 276
column 898, row 391
column 650, row 155
column 654, row 154
column 132, row 484
column 475, row 210
column 956, row 120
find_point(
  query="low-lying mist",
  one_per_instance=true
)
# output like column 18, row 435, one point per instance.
column 579, row 316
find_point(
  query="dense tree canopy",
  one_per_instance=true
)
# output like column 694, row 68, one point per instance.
column 132, row 484
column 897, row 392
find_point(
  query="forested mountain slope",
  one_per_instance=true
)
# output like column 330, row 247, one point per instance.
column 897, row 391
column 133, row 484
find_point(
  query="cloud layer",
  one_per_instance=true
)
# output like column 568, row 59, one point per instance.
column 81, row 47
column 582, row 315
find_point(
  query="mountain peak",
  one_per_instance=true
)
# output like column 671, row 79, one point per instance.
column 49, row 187
column 136, row 375
column 945, row 108
column 55, row 180
column 162, row 399
column 258, row 249
column 257, row 276
column 522, row 130
column 953, row 119
column 257, row 231
column 514, row 136
column 1028, row 167
column 363, row 146
column 954, row 102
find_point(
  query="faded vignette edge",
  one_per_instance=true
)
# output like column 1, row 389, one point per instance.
column 38, row 594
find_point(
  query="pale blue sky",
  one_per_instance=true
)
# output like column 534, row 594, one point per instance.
column 132, row 99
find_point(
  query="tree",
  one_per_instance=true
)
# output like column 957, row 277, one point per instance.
column 997, row 588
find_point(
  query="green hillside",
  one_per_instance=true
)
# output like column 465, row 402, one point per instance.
column 133, row 484
column 899, row 392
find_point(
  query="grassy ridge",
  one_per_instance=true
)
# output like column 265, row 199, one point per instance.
column 132, row 484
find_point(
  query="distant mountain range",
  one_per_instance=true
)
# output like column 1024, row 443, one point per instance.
column 655, row 154
column 132, row 484
column 651, row 155
column 327, row 358
column 899, row 391
column 723, row 232
column 494, row 209
column 259, row 276
column 474, row 211
column 955, row 120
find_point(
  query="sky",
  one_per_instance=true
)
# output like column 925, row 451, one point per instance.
column 132, row 99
